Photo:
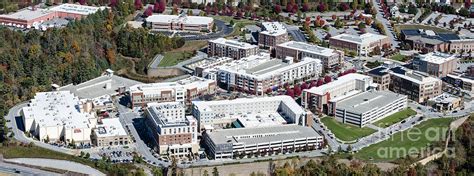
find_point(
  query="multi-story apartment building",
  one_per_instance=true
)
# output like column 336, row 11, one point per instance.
column 300, row 50
column 273, row 33
column 263, row 141
column 180, row 22
column 181, row 91
column 323, row 98
column 260, row 73
column 362, row 44
column 435, row 63
column 368, row 107
column 250, row 112
column 432, row 41
column 464, row 82
column 174, row 133
column 110, row 132
column 418, row 86
column 380, row 77
column 222, row 47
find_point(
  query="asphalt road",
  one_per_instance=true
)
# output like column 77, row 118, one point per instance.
column 385, row 24
column 14, row 169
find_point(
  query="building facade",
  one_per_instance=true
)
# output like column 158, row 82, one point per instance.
column 321, row 99
column 183, row 91
column 362, row 44
column 445, row 102
column 370, row 106
column 261, row 74
column 180, row 22
column 435, row 64
column 299, row 50
column 273, row 34
column 110, row 132
column 222, row 47
column 257, row 142
column 174, row 133
column 223, row 112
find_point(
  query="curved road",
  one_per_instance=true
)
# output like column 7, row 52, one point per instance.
column 58, row 164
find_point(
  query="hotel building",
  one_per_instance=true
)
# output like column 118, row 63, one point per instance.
column 300, row 50
column 174, row 133
column 222, row 47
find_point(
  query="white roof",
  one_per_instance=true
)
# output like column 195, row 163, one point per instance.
column 196, row 20
column 110, row 127
column 444, row 98
column 416, row 77
column 27, row 14
column 76, row 9
column 261, row 66
column 188, row 83
column 364, row 39
column 436, row 57
column 60, row 108
column 273, row 28
column 321, row 90
column 233, row 43
column 309, row 48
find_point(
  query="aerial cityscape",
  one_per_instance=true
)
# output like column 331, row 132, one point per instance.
column 230, row 87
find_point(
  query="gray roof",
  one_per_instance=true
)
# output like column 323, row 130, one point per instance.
column 96, row 87
column 268, row 134
column 366, row 101
column 265, row 67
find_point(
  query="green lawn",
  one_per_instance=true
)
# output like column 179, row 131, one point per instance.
column 395, row 118
column 414, row 140
column 399, row 57
column 373, row 64
column 238, row 24
column 173, row 58
column 346, row 132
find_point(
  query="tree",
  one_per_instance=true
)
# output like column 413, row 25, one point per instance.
column 467, row 4
column 277, row 9
column 290, row 92
column 205, row 173
column 333, row 17
column 156, row 171
column 368, row 21
column 148, row 12
column 305, row 7
column 231, row 23
column 349, row 148
column 327, row 79
column 88, row 155
column 215, row 172
column 322, row 7
column 138, row 4
column 297, row 90
column 361, row 26
column 319, row 83
column 81, row 154
column 304, row 86
column 82, row 2
column 343, row 6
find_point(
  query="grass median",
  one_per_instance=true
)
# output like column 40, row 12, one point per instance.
column 346, row 132
column 395, row 118
column 413, row 140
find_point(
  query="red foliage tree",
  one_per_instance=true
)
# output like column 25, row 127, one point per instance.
column 313, row 83
column 82, row 2
column 297, row 90
column 304, row 86
column 138, row 4
column 327, row 79
column 305, row 7
column 289, row 7
column 239, row 14
column 277, row 9
column 160, row 6
column 321, row 22
column 334, row 17
column 467, row 4
column 319, row 83
column 322, row 7
column 148, row 12
column 113, row 3
column 295, row 8
column 290, row 92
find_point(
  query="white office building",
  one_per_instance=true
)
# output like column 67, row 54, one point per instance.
column 370, row 106
column 58, row 116
column 264, row 141
column 250, row 112
column 299, row 50
column 110, row 132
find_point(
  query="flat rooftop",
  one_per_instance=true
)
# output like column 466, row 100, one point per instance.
column 273, row 28
column 193, row 20
column 412, row 75
column 262, row 134
column 366, row 101
column 98, row 86
column 110, row 127
column 309, row 48
column 233, row 43
column 161, row 119
column 363, row 39
column 444, row 98
column 27, row 14
column 252, row 120
column 321, row 90
column 436, row 57
column 58, row 108
column 76, row 9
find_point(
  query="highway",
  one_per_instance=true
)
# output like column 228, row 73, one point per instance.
column 23, row 170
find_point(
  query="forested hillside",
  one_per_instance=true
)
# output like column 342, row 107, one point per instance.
column 32, row 61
